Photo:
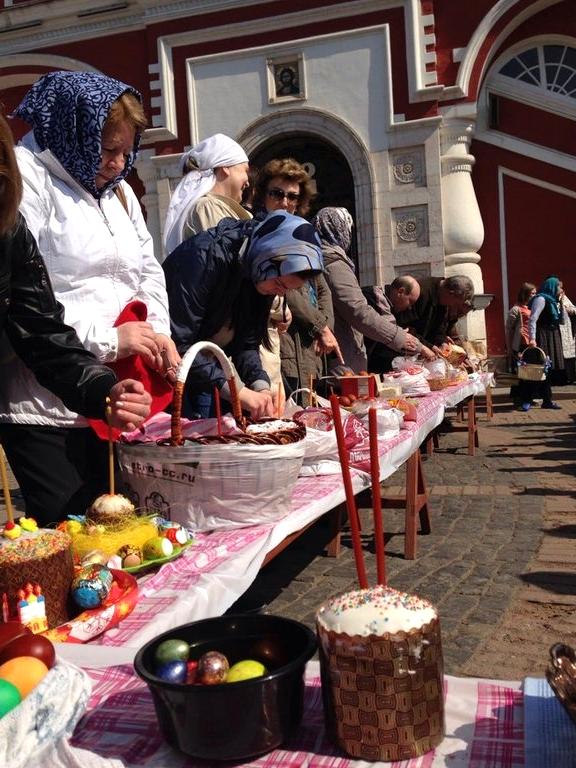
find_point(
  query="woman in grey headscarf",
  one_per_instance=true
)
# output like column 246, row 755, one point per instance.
column 354, row 318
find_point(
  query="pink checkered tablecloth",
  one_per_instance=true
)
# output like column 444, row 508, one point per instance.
column 213, row 573
column 484, row 728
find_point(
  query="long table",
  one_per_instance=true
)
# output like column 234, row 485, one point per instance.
column 213, row 573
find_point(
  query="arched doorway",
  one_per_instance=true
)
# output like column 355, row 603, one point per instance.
column 326, row 165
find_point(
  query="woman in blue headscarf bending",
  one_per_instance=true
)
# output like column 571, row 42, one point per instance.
column 544, row 331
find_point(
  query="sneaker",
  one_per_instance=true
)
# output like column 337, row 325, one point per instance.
column 551, row 406
column 525, row 407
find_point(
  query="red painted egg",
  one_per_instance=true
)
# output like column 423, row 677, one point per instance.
column 29, row 645
column 11, row 629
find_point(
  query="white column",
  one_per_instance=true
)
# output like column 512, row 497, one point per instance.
column 148, row 175
column 462, row 225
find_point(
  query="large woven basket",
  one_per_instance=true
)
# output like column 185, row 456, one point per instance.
column 532, row 364
column 214, row 483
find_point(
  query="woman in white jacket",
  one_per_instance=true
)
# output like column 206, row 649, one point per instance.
column 90, row 230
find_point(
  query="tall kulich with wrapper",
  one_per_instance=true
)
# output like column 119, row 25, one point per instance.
column 380, row 652
column 221, row 481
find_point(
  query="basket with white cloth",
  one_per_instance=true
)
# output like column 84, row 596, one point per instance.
column 533, row 364
column 215, row 482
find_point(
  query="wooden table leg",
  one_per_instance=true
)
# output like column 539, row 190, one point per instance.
column 489, row 404
column 432, row 442
column 473, row 442
column 336, row 516
column 415, row 504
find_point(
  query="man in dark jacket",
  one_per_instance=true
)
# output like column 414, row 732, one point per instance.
column 441, row 299
column 389, row 302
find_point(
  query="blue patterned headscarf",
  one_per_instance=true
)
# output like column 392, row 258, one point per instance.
column 549, row 291
column 67, row 112
column 283, row 244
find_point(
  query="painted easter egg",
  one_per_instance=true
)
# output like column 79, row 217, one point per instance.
column 91, row 585
column 157, row 547
column 9, row 697
column 212, row 668
column 173, row 671
column 29, row 645
column 172, row 650
column 11, row 629
column 25, row 672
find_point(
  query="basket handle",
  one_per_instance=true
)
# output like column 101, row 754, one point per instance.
column 182, row 375
column 538, row 349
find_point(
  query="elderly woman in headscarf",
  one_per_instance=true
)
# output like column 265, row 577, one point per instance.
column 90, row 231
column 221, row 284
column 216, row 175
column 544, row 331
column 354, row 318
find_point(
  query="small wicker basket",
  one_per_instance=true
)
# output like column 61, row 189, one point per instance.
column 532, row 364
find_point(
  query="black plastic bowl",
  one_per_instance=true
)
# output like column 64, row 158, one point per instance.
column 233, row 721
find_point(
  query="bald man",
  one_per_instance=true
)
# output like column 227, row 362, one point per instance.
column 399, row 296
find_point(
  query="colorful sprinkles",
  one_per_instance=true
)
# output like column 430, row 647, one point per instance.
column 376, row 610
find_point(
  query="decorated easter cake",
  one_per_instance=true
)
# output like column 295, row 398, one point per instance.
column 382, row 673
column 36, row 566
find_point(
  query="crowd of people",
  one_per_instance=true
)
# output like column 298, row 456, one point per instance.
column 243, row 265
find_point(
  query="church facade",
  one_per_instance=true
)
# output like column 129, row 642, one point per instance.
column 446, row 128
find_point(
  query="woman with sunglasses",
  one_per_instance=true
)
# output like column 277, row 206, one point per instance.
column 221, row 284
column 285, row 185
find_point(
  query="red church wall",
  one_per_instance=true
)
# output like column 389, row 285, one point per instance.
column 531, row 124
column 539, row 228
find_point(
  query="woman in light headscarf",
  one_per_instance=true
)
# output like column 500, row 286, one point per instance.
column 544, row 332
column 89, row 228
column 216, row 175
column 354, row 318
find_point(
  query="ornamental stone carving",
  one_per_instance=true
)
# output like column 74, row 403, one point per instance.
column 411, row 225
column 408, row 167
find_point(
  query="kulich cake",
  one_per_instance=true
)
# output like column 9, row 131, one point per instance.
column 382, row 673
column 42, row 557
column 111, row 510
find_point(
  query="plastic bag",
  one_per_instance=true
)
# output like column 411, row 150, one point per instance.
column 411, row 376
column 213, row 487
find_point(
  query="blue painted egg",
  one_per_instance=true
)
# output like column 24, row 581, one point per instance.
column 91, row 585
column 172, row 671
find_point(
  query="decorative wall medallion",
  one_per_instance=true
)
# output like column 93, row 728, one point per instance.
column 411, row 225
column 408, row 167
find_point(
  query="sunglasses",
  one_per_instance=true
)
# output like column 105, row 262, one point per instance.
column 279, row 194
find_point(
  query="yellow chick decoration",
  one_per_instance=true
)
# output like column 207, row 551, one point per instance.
column 11, row 530
column 28, row 524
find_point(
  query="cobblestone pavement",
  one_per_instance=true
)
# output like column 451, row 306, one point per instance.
column 499, row 560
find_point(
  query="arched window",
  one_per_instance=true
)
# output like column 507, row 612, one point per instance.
column 547, row 67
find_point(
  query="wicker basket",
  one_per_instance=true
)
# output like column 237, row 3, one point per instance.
column 218, row 482
column 532, row 364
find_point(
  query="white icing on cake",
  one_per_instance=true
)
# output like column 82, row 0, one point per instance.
column 375, row 611
column 271, row 426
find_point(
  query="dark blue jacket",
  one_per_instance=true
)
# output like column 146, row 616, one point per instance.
column 208, row 288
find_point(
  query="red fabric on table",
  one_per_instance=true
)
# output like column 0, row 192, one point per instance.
column 134, row 367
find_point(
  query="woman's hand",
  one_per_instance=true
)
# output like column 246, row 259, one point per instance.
column 532, row 343
column 259, row 404
column 168, row 358
column 130, row 405
column 138, row 338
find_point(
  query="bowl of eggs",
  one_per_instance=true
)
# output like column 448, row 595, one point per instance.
column 228, row 688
